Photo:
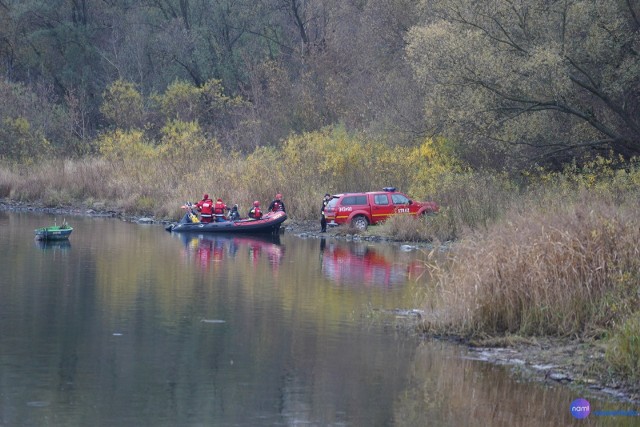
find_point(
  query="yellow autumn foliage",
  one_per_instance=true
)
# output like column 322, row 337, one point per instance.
column 179, row 101
column 123, row 105
column 433, row 164
column 19, row 141
column 184, row 141
column 184, row 101
column 121, row 145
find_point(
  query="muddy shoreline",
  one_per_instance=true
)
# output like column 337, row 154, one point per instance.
column 578, row 364
column 300, row 228
column 574, row 363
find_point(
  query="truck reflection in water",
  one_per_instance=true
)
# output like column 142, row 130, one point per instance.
column 347, row 264
column 212, row 248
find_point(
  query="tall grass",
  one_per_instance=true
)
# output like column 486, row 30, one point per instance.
column 624, row 352
column 57, row 181
column 141, row 176
column 468, row 201
column 7, row 180
column 474, row 200
column 568, row 269
column 159, row 186
column 406, row 228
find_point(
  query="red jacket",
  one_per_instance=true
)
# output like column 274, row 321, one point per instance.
column 205, row 206
column 255, row 213
column 277, row 205
column 219, row 208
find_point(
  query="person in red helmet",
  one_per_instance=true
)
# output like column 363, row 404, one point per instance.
column 277, row 204
column 218, row 210
column 205, row 206
column 255, row 211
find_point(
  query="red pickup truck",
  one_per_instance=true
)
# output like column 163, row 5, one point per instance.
column 372, row 207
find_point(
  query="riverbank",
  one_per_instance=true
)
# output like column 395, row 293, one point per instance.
column 551, row 290
column 578, row 364
column 300, row 228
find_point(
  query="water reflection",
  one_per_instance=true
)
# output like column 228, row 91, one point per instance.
column 477, row 393
column 53, row 245
column 126, row 329
column 356, row 264
column 210, row 248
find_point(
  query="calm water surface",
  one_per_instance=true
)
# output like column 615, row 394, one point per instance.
column 128, row 325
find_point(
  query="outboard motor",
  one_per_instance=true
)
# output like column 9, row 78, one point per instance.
column 188, row 218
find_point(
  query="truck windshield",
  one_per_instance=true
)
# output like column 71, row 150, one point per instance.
column 399, row 199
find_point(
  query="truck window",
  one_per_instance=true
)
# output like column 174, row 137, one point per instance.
column 399, row 199
column 354, row 200
column 380, row 199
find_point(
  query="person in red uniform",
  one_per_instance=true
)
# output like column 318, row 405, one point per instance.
column 277, row 204
column 218, row 210
column 255, row 211
column 205, row 206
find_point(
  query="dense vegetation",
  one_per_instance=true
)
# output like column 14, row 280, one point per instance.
column 522, row 119
column 509, row 84
column 560, row 260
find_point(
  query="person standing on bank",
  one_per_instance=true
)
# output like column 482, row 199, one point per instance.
column 277, row 204
column 205, row 206
column 323, row 219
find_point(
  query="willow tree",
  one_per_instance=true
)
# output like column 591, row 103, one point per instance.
column 539, row 80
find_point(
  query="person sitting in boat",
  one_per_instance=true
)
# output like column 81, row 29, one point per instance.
column 218, row 210
column 255, row 211
column 234, row 215
column 277, row 204
column 205, row 206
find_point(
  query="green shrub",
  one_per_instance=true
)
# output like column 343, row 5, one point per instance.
column 623, row 353
column 56, row 197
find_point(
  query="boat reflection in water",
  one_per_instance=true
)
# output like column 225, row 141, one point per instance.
column 54, row 245
column 347, row 264
column 209, row 248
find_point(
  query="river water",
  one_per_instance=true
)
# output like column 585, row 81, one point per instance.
column 129, row 325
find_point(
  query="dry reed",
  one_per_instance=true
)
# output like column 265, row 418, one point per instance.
column 572, row 269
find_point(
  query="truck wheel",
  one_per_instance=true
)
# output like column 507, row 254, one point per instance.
column 427, row 214
column 360, row 222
